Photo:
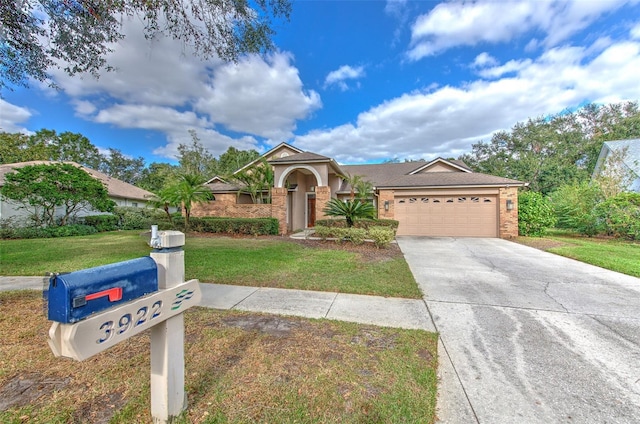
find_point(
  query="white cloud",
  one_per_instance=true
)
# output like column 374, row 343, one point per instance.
column 259, row 97
column 455, row 24
column 446, row 121
column 484, row 59
column 11, row 116
column 635, row 32
column 340, row 76
column 174, row 124
column 159, row 85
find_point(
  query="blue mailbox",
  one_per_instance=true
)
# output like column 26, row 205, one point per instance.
column 75, row 296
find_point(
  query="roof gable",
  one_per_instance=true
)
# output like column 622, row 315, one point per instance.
column 282, row 150
column 441, row 165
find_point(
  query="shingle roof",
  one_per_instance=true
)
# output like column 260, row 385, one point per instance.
column 223, row 187
column 301, row 157
column 388, row 175
column 449, row 179
column 115, row 187
column 381, row 173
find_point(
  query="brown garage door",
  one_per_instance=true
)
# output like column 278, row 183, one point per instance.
column 447, row 216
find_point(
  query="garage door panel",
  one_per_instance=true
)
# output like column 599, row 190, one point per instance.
column 443, row 216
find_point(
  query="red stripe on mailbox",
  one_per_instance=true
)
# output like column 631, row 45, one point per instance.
column 114, row 294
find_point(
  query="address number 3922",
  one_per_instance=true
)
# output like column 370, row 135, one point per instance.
column 128, row 321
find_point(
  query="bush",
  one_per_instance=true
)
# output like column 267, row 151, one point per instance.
column 535, row 214
column 245, row 226
column 130, row 218
column 70, row 230
column 48, row 232
column 619, row 216
column 357, row 236
column 358, row 223
column 102, row 222
column 381, row 236
column 323, row 232
column 574, row 207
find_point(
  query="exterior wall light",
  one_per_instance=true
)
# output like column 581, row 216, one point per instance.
column 386, row 205
column 509, row 204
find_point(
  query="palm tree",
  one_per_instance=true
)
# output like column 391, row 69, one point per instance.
column 164, row 200
column 350, row 209
column 256, row 181
column 359, row 184
column 187, row 191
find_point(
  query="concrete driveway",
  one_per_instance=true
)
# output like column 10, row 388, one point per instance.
column 527, row 336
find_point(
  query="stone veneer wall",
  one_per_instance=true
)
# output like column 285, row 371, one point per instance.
column 508, row 219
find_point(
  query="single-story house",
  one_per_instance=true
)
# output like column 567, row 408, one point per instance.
column 123, row 194
column 437, row 198
column 629, row 153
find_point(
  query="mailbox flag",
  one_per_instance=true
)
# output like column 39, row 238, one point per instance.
column 114, row 294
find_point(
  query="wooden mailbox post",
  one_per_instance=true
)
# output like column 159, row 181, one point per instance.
column 79, row 335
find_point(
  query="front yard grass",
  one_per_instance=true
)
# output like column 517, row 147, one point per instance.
column 240, row 368
column 616, row 255
column 261, row 262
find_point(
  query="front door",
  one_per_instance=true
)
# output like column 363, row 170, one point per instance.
column 311, row 210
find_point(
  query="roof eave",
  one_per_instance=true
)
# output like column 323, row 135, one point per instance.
column 399, row 187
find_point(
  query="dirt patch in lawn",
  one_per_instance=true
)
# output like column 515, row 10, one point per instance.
column 240, row 367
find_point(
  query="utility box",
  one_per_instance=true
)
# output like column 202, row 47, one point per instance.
column 77, row 295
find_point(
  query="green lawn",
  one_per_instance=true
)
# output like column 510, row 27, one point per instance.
column 616, row 255
column 253, row 262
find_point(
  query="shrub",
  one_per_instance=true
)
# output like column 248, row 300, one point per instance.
column 350, row 209
column 381, row 236
column 70, row 230
column 102, row 222
column 130, row 218
column 535, row 214
column 358, row 223
column 574, row 207
column 323, row 232
column 357, row 236
column 245, row 226
column 619, row 216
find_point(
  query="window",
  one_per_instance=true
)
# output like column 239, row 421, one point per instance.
column 475, row 199
column 462, row 199
column 401, row 201
column 413, row 200
column 450, row 200
column 424, row 200
column 487, row 200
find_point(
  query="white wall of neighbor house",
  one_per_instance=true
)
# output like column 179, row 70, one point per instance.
column 13, row 210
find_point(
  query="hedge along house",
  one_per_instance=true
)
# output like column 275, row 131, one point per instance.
column 440, row 198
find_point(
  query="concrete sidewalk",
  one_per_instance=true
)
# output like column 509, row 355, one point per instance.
column 376, row 310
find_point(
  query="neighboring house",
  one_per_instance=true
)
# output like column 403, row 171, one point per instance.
column 437, row 198
column 629, row 152
column 123, row 194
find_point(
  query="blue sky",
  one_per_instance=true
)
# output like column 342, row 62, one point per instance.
column 359, row 81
